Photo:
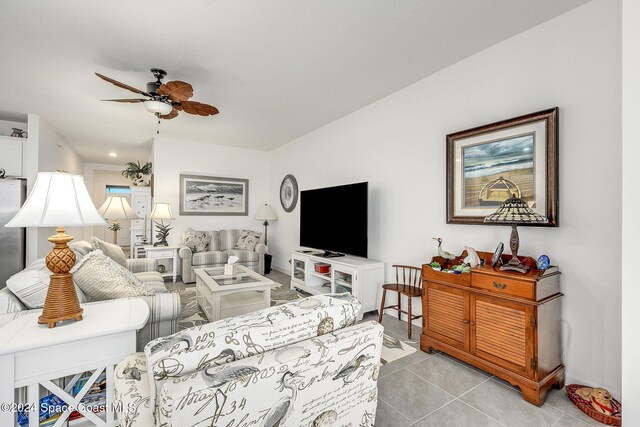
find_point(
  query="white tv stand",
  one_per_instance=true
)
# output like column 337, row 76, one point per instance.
column 361, row 276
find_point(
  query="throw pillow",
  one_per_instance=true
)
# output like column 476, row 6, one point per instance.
column 9, row 303
column 197, row 241
column 31, row 284
column 248, row 240
column 101, row 278
column 81, row 248
column 114, row 252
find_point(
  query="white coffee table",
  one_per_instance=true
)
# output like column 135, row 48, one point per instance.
column 222, row 296
column 33, row 355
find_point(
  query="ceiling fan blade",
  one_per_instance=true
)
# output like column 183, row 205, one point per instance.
column 132, row 100
column 122, row 85
column 198, row 108
column 171, row 115
column 176, row 90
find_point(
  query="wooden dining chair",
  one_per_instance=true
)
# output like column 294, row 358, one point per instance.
column 409, row 283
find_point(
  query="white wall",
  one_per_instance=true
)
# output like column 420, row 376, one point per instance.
column 630, row 209
column 397, row 144
column 47, row 152
column 172, row 157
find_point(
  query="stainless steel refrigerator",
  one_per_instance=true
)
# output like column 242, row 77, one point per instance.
column 12, row 240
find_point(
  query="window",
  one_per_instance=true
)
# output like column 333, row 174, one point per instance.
column 118, row 189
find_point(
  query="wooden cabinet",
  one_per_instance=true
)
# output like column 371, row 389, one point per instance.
column 504, row 322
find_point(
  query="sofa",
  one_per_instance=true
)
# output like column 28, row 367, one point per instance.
column 305, row 363
column 164, row 305
column 221, row 246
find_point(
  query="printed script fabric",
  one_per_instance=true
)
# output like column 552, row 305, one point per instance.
column 327, row 379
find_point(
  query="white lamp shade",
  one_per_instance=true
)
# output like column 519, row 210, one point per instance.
column 117, row 207
column 265, row 213
column 157, row 107
column 161, row 211
column 57, row 199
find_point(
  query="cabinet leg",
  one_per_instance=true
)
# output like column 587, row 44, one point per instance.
column 533, row 396
column 408, row 318
column 384, row 295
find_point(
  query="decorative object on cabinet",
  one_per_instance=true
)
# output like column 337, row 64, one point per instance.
column 361, row 277
column 160, row 213
column 497, row 255
column 444, row 254
column 136, row 172
column 515, row 211
column 472, row 259
column 59, row 199
column 18, row 133
column 116, row 208
column 543, row 262
column 289, row 193
column 408, row 282
column 487, row 164
column 435, row 265
column 208, row 195
column 503, row 322
column 596, row 403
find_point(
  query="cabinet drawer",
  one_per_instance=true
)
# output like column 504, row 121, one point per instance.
column 160, row 254
column 503, row 285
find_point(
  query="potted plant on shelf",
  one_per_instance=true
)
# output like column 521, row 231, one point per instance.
column 136, row 172
column 435, row 265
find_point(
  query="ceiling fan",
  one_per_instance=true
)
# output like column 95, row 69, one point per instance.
column 165, row 100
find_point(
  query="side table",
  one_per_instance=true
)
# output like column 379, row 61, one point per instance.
column 164, row 252
column 33, row 355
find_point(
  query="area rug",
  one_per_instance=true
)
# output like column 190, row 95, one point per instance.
column 192, row 315
column 394, row 349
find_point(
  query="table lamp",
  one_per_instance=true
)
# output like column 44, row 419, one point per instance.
column 116, row 208
column 267, row 214
column 161, row 211
column 58, row 199
column 515, row 211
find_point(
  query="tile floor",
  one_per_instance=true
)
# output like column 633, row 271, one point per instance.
column 423, row 390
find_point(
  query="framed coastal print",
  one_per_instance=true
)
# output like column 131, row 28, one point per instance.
column 488, row 164
column 208, row 195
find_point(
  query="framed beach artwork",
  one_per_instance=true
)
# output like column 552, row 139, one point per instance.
column 488, row 164
column 207, row 195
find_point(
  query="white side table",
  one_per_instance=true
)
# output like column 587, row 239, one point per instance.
column 165, row 252
column 33, row 355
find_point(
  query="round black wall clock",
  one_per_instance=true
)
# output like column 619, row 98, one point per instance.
column 289, row 193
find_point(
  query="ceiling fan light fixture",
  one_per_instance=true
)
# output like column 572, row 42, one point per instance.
column 157, row 107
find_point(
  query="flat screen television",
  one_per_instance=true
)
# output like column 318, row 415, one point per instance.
column 334, row 219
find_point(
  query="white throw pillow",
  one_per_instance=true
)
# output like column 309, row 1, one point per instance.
column 31, row 285
column 114, row 252
column 9, row 303
column 248, row 240
column 197, row 241
column 101, row 278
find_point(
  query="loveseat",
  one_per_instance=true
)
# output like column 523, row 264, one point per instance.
column 220, row 246
column 305, row 363
column 164, row 305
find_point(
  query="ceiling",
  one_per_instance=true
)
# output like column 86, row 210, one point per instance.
column 276, row 69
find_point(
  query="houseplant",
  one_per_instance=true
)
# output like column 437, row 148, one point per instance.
column 136, row 172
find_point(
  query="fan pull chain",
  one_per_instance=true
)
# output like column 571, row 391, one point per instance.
column 158, row 128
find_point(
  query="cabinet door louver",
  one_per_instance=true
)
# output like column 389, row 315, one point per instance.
column 446, row 311
column 500, row 333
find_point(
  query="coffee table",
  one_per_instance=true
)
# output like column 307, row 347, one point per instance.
column 222, row 296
